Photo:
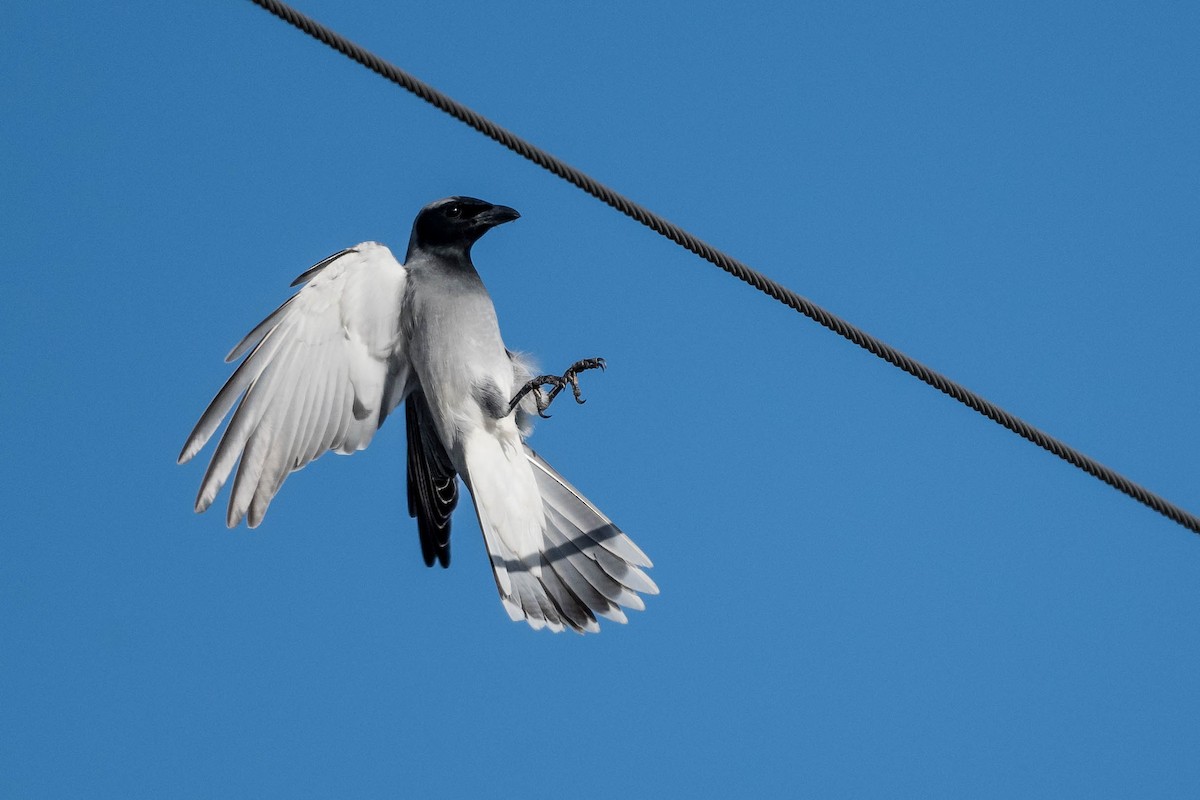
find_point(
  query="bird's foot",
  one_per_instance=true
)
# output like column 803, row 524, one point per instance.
column 542, row 398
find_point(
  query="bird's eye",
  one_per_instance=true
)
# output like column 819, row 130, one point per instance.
column 454, row 211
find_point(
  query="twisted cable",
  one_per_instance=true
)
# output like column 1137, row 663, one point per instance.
column 731, row 265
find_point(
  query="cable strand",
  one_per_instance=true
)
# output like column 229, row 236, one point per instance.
column 731, row 265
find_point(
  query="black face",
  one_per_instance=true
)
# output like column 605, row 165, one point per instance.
column 457, row 222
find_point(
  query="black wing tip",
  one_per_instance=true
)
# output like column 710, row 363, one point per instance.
column 433, row 552
column 428, row 466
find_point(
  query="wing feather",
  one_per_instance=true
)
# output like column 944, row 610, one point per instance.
column 324, row 390
column 255, row 336
column 322, row 372
column 242, row 378
column 432, row 482
column 241, row 426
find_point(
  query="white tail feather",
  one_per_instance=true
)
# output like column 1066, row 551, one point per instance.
column 559, row 563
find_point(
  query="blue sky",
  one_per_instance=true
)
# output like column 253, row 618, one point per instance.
column 867, row 590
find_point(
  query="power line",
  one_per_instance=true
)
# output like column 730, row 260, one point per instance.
column 731, row 265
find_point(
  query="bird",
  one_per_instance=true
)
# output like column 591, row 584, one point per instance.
column 365, row 333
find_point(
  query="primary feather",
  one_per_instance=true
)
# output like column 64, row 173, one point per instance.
column 319, row 370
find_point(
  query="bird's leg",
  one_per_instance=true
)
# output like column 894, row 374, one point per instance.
column 540, row 398
column 569, row 378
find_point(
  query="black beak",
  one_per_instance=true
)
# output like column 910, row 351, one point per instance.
column 497, row 215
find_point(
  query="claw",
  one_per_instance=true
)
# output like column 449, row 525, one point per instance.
column 542, row 399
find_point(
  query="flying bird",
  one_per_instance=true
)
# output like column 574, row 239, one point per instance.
column 366, row 333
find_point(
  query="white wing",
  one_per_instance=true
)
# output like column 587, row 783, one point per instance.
column 324, row 370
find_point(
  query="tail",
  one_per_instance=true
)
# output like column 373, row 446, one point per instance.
column 558, row 562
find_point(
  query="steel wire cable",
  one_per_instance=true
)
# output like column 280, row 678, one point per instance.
column 731, row 265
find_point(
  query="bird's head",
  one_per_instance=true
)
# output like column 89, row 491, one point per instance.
column 456, row 222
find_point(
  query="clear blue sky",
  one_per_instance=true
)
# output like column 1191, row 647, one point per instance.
column 867, row 590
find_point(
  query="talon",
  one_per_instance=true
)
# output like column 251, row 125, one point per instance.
column 542, row 399
column 575, row 389
column 572, row 375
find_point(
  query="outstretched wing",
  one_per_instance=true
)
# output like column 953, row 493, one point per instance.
column 323, row 372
